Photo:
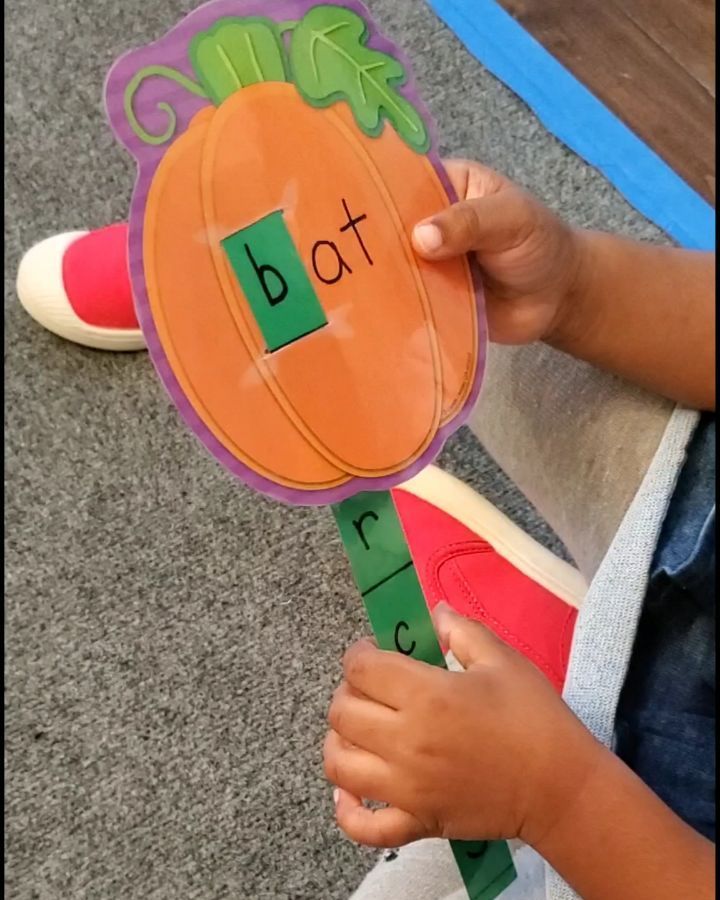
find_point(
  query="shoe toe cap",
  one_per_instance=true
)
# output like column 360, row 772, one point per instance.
column 40, row 285
column 41, row 291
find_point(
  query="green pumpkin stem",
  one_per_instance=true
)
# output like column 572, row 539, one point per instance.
column 237, row 53
column 131, row 90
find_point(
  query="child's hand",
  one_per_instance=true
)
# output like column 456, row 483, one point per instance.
column 486, row 754
column 530, row 259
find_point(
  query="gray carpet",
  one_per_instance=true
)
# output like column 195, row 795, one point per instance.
column 172, row 641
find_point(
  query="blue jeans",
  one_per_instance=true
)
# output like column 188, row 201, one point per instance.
column 666, row 718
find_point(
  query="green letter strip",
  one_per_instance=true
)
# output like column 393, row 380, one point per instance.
column 385, row 575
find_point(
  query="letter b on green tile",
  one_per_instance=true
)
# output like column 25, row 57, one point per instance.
column 273, row 278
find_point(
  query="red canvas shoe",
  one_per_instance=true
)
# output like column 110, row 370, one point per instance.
column 470, row 555
column 77, row 286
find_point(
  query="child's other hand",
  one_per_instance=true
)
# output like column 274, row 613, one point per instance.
column 530, row 259
column 486, row 754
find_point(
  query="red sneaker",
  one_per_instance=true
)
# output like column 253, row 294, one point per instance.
column 473, row 557
column 77, row 286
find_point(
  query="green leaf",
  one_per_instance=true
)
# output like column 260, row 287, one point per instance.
column 236, row 53
column 330, row 61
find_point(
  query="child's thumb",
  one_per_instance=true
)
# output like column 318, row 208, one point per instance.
column 470, row 642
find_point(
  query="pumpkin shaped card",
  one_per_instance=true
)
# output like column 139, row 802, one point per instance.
column 283, row 163
column 284, row 158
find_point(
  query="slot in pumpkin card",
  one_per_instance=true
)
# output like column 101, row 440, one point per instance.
column 284, row 157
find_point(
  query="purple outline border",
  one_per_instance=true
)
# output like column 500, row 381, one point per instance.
column 171, row 50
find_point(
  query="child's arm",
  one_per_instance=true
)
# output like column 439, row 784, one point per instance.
column 647, row 313
column 494, row 753
column 644, row 312
column 619, row 840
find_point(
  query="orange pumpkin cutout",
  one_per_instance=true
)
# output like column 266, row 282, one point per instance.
column 303, row 339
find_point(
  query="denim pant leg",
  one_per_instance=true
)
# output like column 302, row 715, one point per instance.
column 666, row 718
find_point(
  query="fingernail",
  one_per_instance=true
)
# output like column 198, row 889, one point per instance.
column 442, row 609
column 428, row 237
column 336, row 796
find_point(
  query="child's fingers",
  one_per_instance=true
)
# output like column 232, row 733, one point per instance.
column 495, row 223
column 363, row 722
column 382, row 828
column 356, row 770
column 387, row 677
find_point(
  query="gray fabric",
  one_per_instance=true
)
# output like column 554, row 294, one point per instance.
column 576, row 441
column 609, row 618
column 425, row 870
column 172, row 641
column 428, row 871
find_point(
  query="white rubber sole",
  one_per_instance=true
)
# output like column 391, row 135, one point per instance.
column 511, row 542
column 41, row 293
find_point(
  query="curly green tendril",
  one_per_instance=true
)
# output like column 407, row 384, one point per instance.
column 132, row 89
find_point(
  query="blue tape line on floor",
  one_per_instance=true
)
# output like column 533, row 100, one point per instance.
column 574, row 115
